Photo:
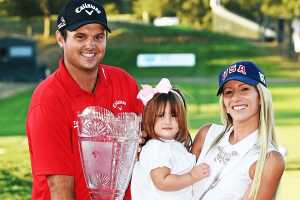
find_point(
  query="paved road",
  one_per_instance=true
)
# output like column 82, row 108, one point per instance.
column 8, row 89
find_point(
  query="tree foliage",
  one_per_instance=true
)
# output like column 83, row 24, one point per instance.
column 118, row 6
column 28, row 9
column 32, row 8
column 25, row 8
column 284, row 8
column 257, row 9
column 154, row 9
column 194, row 12
column 250, row 9
column 191, row 12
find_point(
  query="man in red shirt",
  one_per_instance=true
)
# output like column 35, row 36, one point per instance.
column 79, row 81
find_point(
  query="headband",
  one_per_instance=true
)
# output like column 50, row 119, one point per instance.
column 164, row 86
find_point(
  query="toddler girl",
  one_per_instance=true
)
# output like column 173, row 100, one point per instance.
column 165, row 170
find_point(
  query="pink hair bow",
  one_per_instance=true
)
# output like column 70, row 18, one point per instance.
column 147, row 91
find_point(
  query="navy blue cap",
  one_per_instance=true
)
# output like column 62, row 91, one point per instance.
column 77, row 13
column 244, row 71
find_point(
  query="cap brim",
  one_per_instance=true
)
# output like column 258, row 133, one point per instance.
column 240, row 78
column 73, row 27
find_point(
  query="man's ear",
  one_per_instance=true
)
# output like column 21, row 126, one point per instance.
column 60, row 39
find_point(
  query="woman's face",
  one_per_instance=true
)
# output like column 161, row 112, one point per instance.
column 241, row 101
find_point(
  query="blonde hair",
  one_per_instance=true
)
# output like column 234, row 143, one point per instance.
column 266, row 132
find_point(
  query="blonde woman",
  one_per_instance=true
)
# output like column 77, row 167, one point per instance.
column 242, row 153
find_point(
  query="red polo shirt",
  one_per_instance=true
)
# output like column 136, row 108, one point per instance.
column 55, row 103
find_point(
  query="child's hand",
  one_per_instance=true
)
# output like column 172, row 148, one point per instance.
column 200, row 171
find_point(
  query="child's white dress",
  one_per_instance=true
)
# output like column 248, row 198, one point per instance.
column 165, row 153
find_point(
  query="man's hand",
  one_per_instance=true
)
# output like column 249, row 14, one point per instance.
column 142, row 139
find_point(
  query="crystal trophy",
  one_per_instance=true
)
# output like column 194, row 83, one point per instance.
column 108, row 146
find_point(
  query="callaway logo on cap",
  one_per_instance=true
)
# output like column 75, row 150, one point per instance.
column 77, row 13
column 244, row 71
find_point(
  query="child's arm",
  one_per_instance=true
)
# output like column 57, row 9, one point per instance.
column 164, row 180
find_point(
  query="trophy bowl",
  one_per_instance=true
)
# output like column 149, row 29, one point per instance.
column 108, row 146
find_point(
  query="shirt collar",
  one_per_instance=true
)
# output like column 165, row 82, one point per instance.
column 166, row 140
column 71, row 85
column 246, row 143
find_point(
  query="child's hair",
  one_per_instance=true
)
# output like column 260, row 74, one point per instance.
column 156, row 106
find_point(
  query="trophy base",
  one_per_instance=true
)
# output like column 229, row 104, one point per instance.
column 116, row 195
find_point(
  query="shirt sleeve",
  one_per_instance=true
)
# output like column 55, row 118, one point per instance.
column 156, row 154
column 50, row 140
column 138, row 105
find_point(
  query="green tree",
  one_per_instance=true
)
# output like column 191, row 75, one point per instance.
column 250, row 9
column 293, row 7
column 122, row 6
column 45, row 8
column 194, row 12
column 26, row 9
column 48, row 8
column 284, row 8
column 154, row 8
column 190, row 12
column 274, row 8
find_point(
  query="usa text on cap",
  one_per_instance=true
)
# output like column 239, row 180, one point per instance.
column 244, row 71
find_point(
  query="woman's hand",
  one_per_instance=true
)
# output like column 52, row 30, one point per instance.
column 199, row 172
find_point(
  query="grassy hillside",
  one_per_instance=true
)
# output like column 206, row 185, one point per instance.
column 213, row 51
column 15, row 176
column 202, row 108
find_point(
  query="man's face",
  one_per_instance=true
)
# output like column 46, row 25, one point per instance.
column 84, row 48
